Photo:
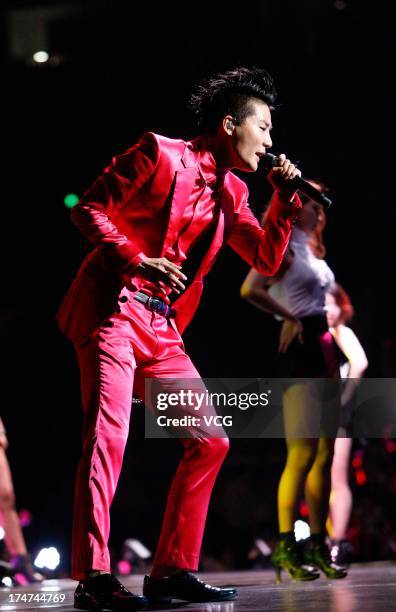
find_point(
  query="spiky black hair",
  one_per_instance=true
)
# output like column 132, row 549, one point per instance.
column 230, row 93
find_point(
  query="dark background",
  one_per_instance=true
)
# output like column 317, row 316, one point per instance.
column 116, row 70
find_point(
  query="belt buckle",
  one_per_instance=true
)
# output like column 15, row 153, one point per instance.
column 157, row 305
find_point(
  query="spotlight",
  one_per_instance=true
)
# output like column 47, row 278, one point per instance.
column 259, row 554
column 135, row 548
column 124, row 567
column 1, row 533
column 40, row 57
column 301, row 530
column 262, row 547
column 25, row 517
column 134, row 555
column 70, row 200
column 7, row 582
column 48, row 558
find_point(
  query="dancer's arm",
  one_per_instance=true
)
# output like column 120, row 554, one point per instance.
column 354, row 352
column 254, row 290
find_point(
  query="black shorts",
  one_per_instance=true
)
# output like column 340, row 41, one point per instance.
column 317, row 357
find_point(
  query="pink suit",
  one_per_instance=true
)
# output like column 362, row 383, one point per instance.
column 136, row 207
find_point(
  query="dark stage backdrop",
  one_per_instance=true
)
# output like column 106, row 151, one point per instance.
column 120, row 69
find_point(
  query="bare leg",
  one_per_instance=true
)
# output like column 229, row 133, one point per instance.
column 341, row 495
column 14, row 539
column 317, row 486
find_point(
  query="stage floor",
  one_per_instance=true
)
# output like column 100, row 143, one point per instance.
column 370, row 586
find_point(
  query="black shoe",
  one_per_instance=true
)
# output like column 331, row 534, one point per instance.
column 105, row 591
column 183, row 585
column 23, row 570
column 317, row 554
column 341, row 552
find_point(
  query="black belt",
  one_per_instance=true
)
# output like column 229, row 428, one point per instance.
column 155, row 304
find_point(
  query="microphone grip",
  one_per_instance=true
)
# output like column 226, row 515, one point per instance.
column 300, row 184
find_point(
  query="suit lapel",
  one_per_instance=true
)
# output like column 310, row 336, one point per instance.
column 183, row 186
column 184, row 180
column 214, row 248
column 224, row 223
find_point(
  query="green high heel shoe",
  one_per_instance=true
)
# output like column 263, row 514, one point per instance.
column 286, row 556
column 316, row 553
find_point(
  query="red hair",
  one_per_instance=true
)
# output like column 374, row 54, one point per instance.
column 343, row 301
column 315, row 240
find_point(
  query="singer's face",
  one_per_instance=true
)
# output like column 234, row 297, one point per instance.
column 251, row 138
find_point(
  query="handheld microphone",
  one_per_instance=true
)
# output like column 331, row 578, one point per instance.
column 270, row 161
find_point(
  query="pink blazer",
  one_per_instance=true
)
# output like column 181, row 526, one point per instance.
column 136, row 208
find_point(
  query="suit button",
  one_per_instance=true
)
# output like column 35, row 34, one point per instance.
column 123, row 299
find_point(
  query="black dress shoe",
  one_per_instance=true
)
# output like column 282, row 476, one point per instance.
column 183, row 585
column 105, row 591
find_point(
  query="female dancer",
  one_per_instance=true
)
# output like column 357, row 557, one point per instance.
column 339, row 312
column 296, row 296
column 20, row 562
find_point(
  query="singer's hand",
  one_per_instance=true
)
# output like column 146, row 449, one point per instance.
column 290, row 329
column 162, row 270
column 281, row 176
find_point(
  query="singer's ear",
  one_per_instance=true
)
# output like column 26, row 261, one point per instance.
column 228, row 124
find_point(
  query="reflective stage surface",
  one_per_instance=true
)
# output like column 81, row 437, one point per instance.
column 370, row 586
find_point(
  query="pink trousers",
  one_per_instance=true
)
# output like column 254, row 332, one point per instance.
column 130, row 346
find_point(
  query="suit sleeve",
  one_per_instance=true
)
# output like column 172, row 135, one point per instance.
column 263, row 249
column 120, row 181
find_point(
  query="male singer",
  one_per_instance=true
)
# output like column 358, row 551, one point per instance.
column 157, row 208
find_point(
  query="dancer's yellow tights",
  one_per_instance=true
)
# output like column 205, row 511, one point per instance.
column 308, row 463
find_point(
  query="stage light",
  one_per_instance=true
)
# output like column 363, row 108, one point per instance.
column 301, row 530
column 262, row 547
column 134, row 549
column 40, row 57
column 47, row 558
column 304, row 510
column 134, row 555
column 124, row 567
column 7, row 581
column 357, row 462
column 25, row 517
column 390, row 445
column 361, row 477
column 71, row 200
column 1, row 533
